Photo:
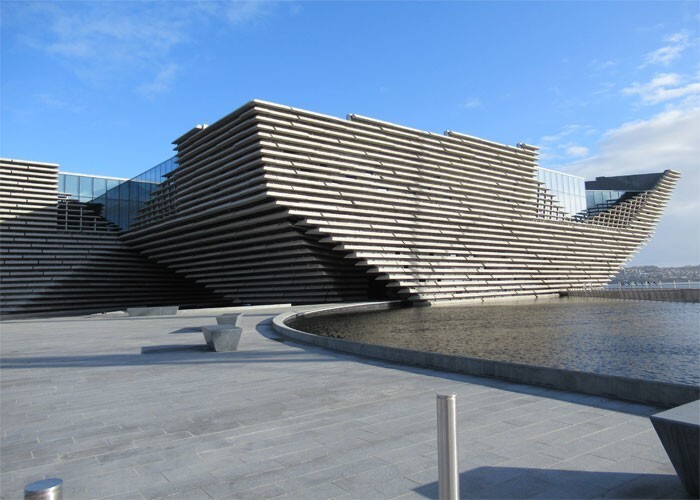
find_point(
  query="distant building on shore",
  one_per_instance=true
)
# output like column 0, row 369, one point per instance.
column 657, row 274
column 276, row 204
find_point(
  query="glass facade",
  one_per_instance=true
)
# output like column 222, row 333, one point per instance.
column 117, row 200
column 85, row 188
column 568, row 190
column 602, row 198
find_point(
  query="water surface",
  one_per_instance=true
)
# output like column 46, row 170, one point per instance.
column 638, row 339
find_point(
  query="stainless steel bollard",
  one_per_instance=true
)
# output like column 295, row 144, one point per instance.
column 448, row 469
column 46, row 489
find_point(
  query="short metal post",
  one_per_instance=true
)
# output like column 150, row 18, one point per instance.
column 46, row 489
column 448, row 469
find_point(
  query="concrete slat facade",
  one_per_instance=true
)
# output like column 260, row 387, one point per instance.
column 51, row 261
column 280, row 197
column 275, row 204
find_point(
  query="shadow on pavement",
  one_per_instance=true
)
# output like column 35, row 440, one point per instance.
column 159, row 355
column 516, row 482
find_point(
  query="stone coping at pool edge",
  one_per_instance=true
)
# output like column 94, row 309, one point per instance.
column 664, row 394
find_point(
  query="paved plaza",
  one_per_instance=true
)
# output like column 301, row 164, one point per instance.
column 134, row 408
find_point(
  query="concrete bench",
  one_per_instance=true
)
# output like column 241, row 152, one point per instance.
column 679, row 432
column 221, row 338
column 234, row 319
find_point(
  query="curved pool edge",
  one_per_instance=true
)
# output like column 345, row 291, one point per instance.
column 664, row 394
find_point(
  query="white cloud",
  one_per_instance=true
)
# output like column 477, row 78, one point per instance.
column 663, row 87
column 109, row 30
column 50, row 101
column 241, row 12
column 162, row 81
column 564, row 132
column 577, row 151
column 598, row 65
column 669, row 140
column 559, row 147
column 675, row 45
column 471, row 103
column 129, row 43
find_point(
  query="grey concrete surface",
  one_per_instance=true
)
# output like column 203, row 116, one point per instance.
column 679, row 432
column 133, row 408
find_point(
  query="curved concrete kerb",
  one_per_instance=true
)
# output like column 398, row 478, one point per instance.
column 662, row 394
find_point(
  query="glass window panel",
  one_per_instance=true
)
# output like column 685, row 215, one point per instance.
column 61, row 183
column 124, row 214
column 134, row 190
column 85, row 188
column 72, row 185
column 99, row 187
column 133, row 212
column 109, row 211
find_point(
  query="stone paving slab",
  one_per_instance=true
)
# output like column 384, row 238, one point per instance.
column 136, row 408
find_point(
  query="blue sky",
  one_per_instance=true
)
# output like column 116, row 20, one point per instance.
column 604, row 88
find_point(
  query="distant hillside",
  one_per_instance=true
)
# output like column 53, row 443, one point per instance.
column 654, row 273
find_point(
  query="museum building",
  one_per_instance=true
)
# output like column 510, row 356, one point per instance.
column 273, row 204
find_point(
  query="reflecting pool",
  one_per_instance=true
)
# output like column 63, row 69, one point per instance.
column 638, row 339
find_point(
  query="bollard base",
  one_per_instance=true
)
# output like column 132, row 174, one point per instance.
column 46, row 489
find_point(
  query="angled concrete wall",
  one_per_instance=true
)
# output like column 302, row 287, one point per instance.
column 53, row 262
column 272, row 202
column 276, row 204
column 215, row 221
